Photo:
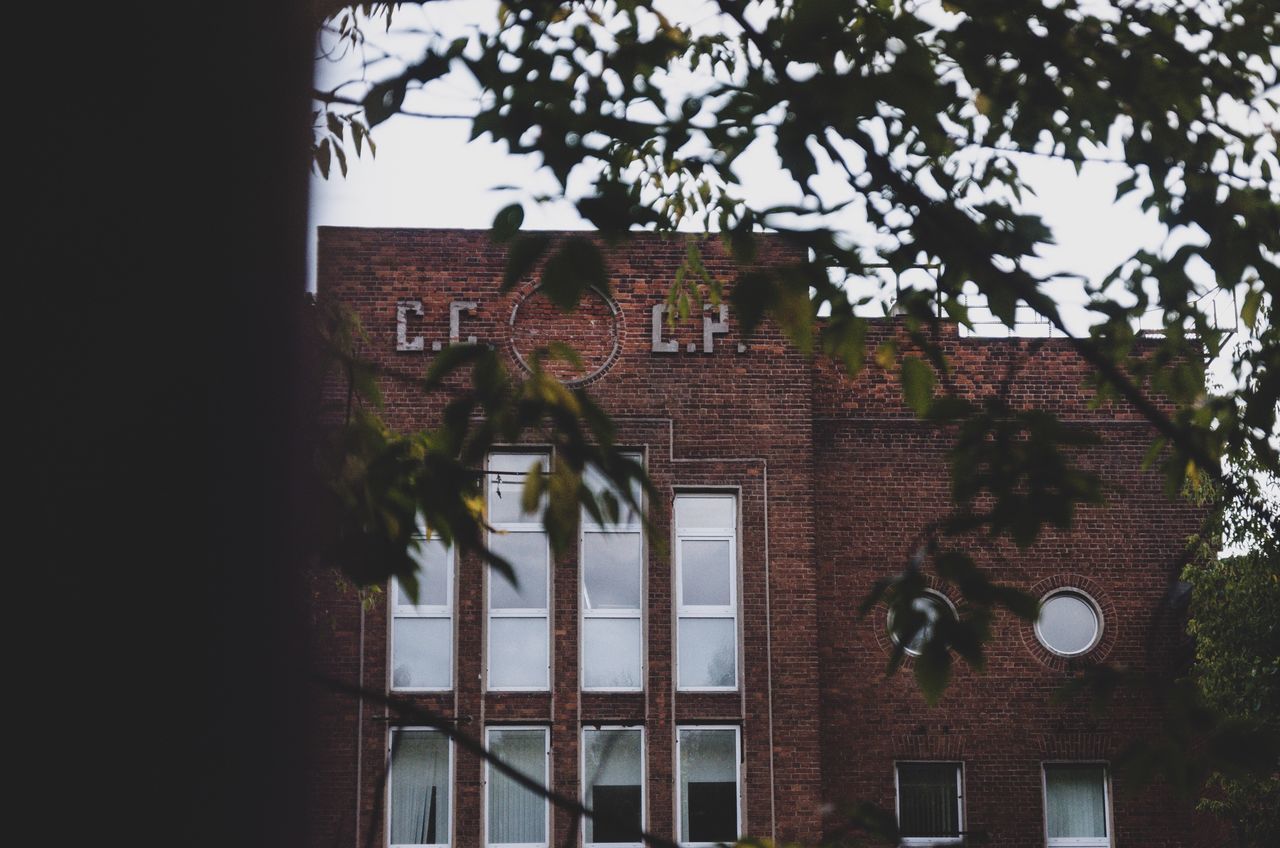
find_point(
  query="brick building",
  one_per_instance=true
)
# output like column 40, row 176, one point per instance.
column 727, row 685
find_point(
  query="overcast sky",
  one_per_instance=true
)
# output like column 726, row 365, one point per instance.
column 426, row 173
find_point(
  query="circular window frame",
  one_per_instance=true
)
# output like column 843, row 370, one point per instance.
column 1094, row 606
column 930, row 592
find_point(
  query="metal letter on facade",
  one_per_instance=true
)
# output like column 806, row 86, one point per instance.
column 659, row 346
column 403, row 308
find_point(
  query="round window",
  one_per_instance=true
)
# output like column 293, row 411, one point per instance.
column 1069, row 623
column 933, row 605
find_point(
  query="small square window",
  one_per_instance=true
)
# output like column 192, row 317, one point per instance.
column 930, row 803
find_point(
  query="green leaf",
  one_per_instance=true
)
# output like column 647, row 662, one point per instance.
column 534, row 486
column 933, row 671
column 1249, row 309
column 322, row 158
column 574, row 268
column 917, row 384
column 506, row 224
column 383, row 101
column 753, row 294
column 523, row 254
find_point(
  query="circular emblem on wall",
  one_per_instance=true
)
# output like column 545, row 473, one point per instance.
column 593, row 330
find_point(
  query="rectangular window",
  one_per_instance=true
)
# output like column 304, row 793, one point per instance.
column 707, row 775
column 422, row 626
column 930, row 803
column 612, row 569
column 418, row 788
column 1075, row 805
column 519, row 648
column 517, row 815
column 613, row 785
column 707, row 592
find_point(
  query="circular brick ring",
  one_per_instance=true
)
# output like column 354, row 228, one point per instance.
column 1106, row 611
column 880, row 616
column 597, row 338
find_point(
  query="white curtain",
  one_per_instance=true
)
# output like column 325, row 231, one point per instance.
column 515, row 813
column 419, row 788
column 1075, row 801
column 927, row 799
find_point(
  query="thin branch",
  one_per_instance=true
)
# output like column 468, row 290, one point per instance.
column 427, row 718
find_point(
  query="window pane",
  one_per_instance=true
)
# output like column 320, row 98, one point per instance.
column 704, row 511
column 1067, row 624
column 596, row 483
column 518, row 653
column 611, row 653
column 611, row 570
column 516, row 814
column 928, row 803
column 506, row 478
column 707, row 655
column 527, row 553
column 611, row 775
column 931, row 607
column 708, row 786
column 1075, row 801
column 419, row 788
column 705, row 572
column 433, row 562
column 421, row 648
column 508, row 464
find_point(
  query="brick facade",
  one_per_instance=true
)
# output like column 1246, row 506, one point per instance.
column 834, row 477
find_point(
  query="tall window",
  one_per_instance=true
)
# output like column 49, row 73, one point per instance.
column 613, row 785
column 708, row 781
column 1075, row 805
column 516, row 815
column 422, row 626
column 707, row 592
column 418, row 787
column 612, row 567
column 519, row 613
column 930, row 803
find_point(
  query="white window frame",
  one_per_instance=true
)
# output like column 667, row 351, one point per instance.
column 546, row 783
column 936, row 596
column 644, row 778
column 391, row 735
column 544, row 614
column 737, row 778
column 588, row 525
column 438, row 611
column 1074, row 841
column 1094, row 607
column 692, row 612
column 897, row 804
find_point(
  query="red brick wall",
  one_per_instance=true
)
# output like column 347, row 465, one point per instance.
column 834, row 477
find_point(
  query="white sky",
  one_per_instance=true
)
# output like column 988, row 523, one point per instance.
column 426, row 174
